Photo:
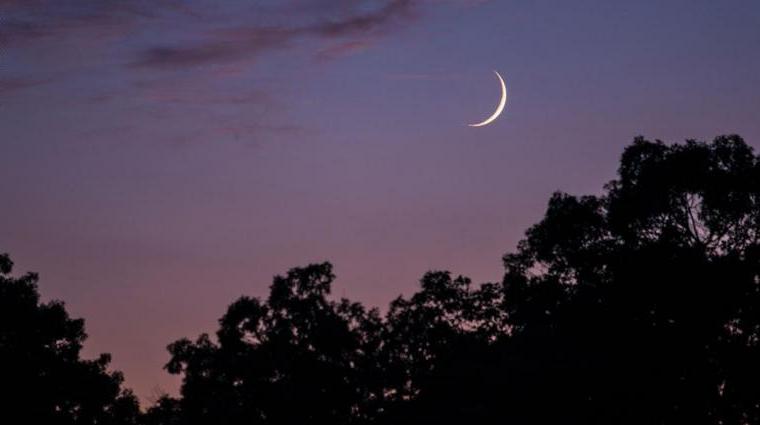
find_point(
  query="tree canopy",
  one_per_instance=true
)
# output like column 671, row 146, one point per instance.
column 43, row 380
column 637, row 306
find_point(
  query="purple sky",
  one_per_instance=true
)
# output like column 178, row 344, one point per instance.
column 161, row 158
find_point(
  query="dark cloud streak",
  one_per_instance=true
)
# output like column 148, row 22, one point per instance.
column 226, row 46
column 342, row 49
column 8, row 85
column 26, row 21
column 245, row 42
column 367, row 22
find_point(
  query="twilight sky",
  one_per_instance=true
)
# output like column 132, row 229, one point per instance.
column 160, row 158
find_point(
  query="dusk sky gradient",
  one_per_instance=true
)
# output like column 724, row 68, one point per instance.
column 161, row 158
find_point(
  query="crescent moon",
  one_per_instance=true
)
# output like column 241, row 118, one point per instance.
column 499, row 108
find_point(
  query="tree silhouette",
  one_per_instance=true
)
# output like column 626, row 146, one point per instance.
column 295, row 358
column 637, row 306
column 165, row 411
column 42, row 378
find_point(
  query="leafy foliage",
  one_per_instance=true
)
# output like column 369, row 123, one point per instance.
column 42, row 378
column 638, row 306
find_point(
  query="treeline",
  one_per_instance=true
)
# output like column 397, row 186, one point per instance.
column 639, row 306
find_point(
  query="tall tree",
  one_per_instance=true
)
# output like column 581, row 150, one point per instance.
column 42, row 377
column 295, row 358
column 640, row 306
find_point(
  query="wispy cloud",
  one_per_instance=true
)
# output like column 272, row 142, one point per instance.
column 221, row 46
column 335, row 51
column 26, row 21
column 166, row 60
column 8, row 85
column 170, row 35
column 235, row 43
column 367, row 22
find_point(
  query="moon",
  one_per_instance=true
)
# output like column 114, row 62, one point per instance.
column 499, row 108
